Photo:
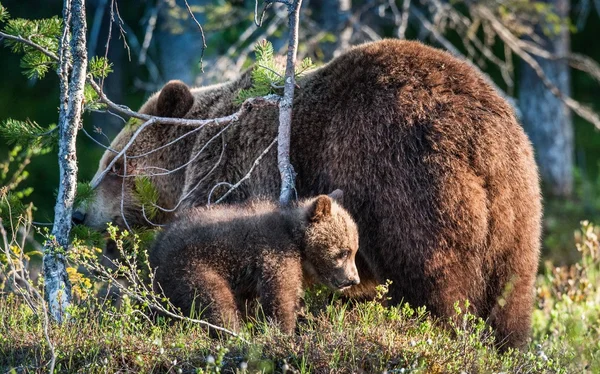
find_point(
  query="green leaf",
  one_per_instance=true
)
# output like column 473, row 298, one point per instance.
column 91, row 98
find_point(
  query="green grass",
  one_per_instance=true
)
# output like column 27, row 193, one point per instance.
column 332, row 336
column 366, row 337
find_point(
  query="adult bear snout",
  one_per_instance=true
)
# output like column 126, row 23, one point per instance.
column 78, row 217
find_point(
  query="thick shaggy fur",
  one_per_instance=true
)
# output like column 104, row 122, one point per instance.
column 437, row 172
column 219, row 258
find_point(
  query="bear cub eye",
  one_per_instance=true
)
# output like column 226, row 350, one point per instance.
column 343, row 254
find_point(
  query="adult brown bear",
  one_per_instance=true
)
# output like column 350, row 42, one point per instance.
column 437, row 172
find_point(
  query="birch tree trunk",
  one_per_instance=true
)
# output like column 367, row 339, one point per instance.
column 546, row 118
column 72, row 73
column 286, row 170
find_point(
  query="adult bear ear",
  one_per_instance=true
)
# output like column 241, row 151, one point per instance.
column 320, row 208
column 337, row 195
column 175, row 100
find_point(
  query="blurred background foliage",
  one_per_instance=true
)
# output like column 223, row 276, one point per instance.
column 152, row 42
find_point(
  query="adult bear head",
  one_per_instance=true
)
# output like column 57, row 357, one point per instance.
column 114, row 184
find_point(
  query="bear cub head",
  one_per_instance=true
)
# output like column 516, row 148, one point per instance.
column 330, row 242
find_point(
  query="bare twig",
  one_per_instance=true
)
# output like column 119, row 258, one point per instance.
column 248, row 174
column 186, row 194
column 20, row 275
column 122, row 32
column 213, row 190
column 150, row 120
column 201, row 34
column 513, row 42
column 266, row 5
column 194, row 157
column 142, row 291
column 97, row 142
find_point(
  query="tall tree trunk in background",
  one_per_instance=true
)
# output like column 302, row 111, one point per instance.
column 179, row 41
column 546, row 119
column 333, row 15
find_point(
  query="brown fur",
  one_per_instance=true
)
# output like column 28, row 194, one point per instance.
column 220, row 257
column 439, row 175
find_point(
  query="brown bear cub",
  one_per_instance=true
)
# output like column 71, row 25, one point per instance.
column 219, row 258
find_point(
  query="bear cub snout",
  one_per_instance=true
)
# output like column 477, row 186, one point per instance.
column 220, row 258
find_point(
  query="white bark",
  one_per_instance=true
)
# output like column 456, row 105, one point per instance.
column 58, row 287
column 546, row 118
column 286, row 170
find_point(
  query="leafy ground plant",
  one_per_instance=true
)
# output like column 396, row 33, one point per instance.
column 333, row 336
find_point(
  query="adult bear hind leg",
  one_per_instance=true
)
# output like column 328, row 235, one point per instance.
column 510, row 315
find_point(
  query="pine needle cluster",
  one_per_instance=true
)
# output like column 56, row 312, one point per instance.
column 29, row 134
column 45, row 33
column 147, row 195
column 268, row 76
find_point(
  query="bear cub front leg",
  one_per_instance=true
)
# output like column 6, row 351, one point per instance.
column 280, row 290
column 215, row 298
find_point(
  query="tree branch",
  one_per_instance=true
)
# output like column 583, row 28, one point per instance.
column 247, row 176
column 506, row 36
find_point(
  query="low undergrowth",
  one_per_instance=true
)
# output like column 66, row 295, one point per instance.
column 341, row 339
column 333, row 336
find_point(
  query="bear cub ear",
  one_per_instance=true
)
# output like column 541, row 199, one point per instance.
column 175, row 100
column 337, row 195
column 320, row 208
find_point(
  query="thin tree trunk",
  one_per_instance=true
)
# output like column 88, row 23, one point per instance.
column 286, row 170
column 58, row 287
column 545, row 117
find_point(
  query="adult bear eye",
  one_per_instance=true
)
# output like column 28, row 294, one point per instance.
column 116, row 169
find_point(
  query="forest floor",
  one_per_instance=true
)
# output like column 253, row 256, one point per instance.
column 332, row 336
